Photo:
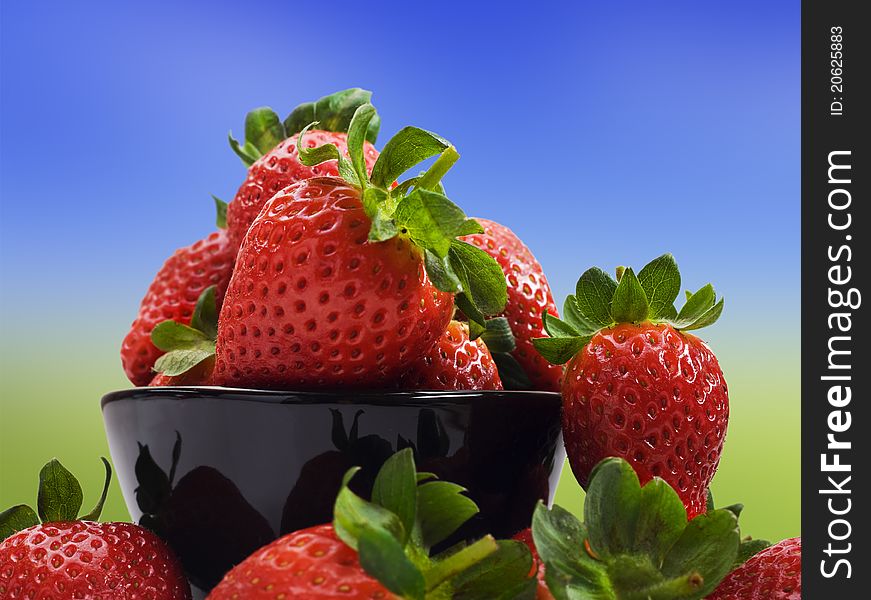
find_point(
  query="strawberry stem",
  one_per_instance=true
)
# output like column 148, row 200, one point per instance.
column 458, row 562
column 679, row 587
column 433, row 175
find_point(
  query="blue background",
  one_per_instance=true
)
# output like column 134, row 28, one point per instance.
column 602, row 133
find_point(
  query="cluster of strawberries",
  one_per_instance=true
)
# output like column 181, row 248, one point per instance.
column 326, row 273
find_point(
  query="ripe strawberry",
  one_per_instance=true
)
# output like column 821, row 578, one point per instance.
column 310, row 563
column 772, row 574
column 68, row 558
column 454, row 363
column 529, row 296
column 637, row 385
column 173, row 295
column 271, row 154
column 332, row 285
column 369, row 550
column 525, row 536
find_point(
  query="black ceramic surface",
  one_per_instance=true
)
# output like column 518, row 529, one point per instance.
column 219, row 472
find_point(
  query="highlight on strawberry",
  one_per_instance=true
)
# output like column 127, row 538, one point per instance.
column 637, row 384
column 54, row 553
column 347, row 282
column 382, row 548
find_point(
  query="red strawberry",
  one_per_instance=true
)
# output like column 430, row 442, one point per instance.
column 525, row 536
column 271, row 154
column 529, row 296
column 772, row 574
column 323, row 561
column 67, row 558
column 276, row 170
column 173, row 295
column 638, row 386
column 331, row 291
column 311, row 563
column 454, row 363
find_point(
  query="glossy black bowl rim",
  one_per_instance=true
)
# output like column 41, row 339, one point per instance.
column 371, row 397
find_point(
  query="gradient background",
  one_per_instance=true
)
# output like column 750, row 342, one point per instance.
column 602, row 133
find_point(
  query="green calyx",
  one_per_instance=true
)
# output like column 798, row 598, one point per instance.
column 411, row 512
column 264, row 129
column 500, row 341
column 220, row 212
column 418, row 210
column 59, row 499
column 600, row 302
column 749, row 546
column 186, row 346
column 635, row 542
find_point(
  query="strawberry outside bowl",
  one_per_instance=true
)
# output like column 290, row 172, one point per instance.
column 219, row 472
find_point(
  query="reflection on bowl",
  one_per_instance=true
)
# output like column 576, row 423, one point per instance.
column 219, row 472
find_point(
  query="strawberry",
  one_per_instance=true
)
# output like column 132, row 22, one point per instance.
column 189, row 357
column 529, row 296
column 173, row 296
column 346, row 282
column 271, row 152
column 64, row 557
column 525, row 536
column 635, row 541
column 454, row 363
column 772, row 574
column 637, row 384
column 322, row 565
column 382, row 548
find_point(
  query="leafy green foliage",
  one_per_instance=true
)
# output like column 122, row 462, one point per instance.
column 635, row 541
column 60, row 495
column 497, row 335
column 511, row 373
column 59, row 499
column 263, row 131
column 418, row 210
column 495, row 577
column 600, row 302
column 15, row 519
column 334, row 113
column 404, row 150
column 186, row 346
column 629, row 303
column 220, row 212
column 408, row 513
column 660, row 279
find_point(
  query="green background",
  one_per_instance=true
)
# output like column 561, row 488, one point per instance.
column 49, row 406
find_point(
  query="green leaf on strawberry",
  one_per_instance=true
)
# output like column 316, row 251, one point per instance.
column 186, row 346
column 220, row 212
column 333, row 112
column 418, row 210
column 635, row 542
column 264, row 129
column 601, row 302
column 408, row 514
column 59, row 499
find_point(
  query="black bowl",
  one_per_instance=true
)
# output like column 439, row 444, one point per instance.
column 219, row 472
